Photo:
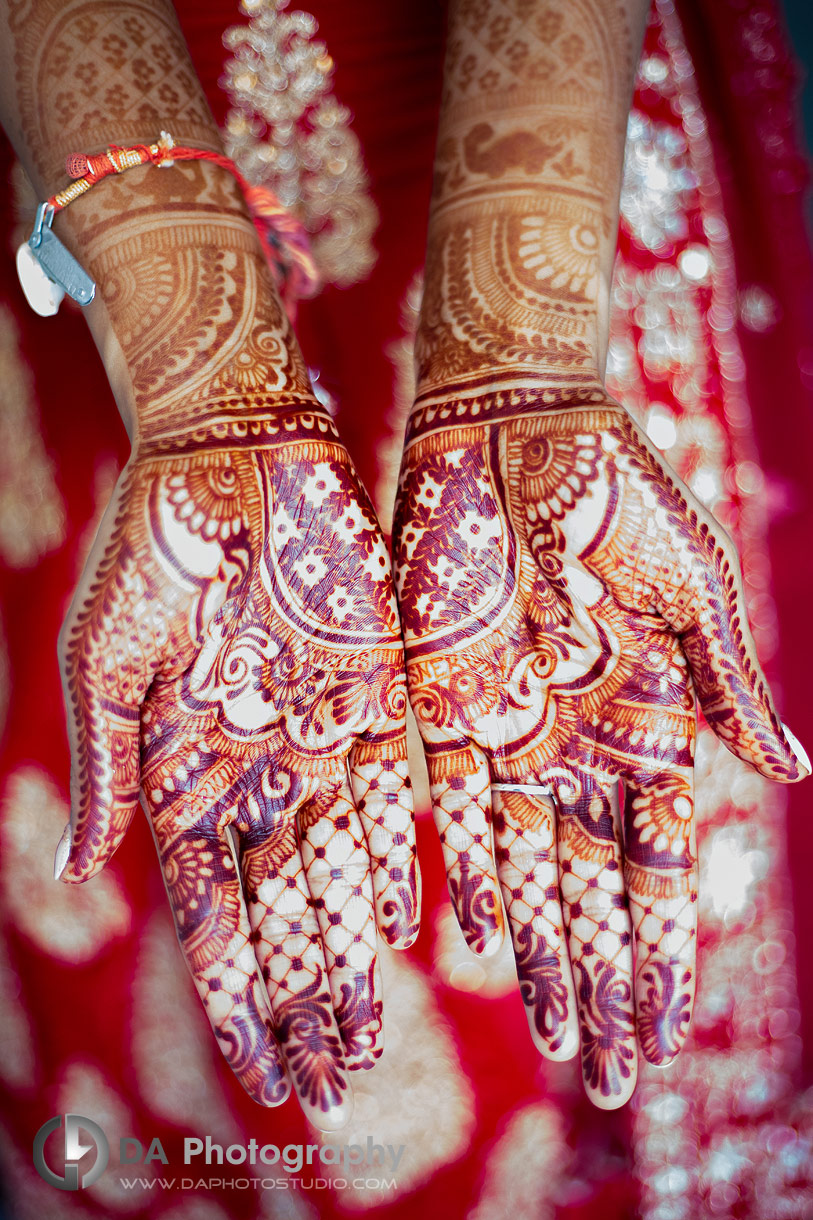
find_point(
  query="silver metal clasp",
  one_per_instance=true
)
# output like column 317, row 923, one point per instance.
column 47, row 270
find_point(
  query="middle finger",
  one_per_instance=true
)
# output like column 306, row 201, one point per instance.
column 599, row 936
column 525, row 841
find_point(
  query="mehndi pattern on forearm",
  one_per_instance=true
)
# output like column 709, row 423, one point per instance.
column 527, row 173
column 130, row 71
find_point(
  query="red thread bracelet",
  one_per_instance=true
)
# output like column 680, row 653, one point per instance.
column 284, row 240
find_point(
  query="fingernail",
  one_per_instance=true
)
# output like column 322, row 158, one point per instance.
column 63, row 852
column 492, row 946
column 333, row 1118
column 798, row 749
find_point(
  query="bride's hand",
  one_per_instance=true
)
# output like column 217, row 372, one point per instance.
column 564, row 599
column 234, row 653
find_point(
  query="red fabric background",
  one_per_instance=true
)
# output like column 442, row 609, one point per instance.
column 388, row 63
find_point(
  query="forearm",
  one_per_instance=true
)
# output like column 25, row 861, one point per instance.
column 524, row 218
column 185, row 311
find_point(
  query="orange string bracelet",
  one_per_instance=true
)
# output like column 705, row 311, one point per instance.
column 284, row 240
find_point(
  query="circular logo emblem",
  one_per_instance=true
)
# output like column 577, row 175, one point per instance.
column 76, row 1126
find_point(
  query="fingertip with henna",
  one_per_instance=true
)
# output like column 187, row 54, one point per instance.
column 329, row 1118
column 490, row 944
column 63, row 852
column 561, row 1049
column 799, row 751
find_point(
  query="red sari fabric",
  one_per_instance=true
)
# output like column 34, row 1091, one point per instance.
column 711, row 349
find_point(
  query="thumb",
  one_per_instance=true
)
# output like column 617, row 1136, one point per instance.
column 108, row 655
column 710, row 617
column 104, row 737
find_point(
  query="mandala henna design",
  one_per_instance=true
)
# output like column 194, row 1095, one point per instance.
column 529, row 152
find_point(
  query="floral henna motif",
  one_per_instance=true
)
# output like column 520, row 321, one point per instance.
column 359, row 1020
column 543, row 990
column 665, row 1010
column 262, row 1074
column 608, row 1056
column 551, row 573
column 305, row 1026
column 475, row 903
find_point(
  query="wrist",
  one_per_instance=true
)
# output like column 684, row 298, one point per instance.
column 510, row 300
column 498, row 398
column 190, row 327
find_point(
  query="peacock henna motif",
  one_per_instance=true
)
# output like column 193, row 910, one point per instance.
column 559, row 588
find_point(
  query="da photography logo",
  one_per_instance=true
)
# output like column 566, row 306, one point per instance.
column 76, row 1126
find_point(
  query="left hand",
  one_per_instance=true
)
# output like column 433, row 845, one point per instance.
column 563, row 598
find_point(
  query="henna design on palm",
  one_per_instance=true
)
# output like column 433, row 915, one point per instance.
column 563, row 599
column 239, row 644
